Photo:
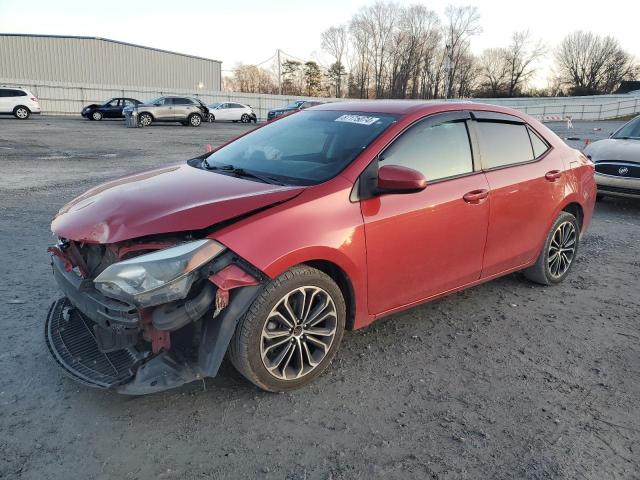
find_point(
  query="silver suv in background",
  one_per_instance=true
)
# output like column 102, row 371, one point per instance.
column 187, row 110
column 19, row 102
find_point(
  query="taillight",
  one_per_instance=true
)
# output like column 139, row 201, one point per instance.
column 34, row 99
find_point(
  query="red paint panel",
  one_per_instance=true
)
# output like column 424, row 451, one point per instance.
column 424, row 243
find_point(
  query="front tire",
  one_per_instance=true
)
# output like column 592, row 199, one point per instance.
column 292, row 331
column 195, row 120
column 97, row 116
column 21, row 113
column 559, row 252
column 245, row 118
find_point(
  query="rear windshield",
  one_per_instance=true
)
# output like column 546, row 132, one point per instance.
column 307, row 148
column 630, row 130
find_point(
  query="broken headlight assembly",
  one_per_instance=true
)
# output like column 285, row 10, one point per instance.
column 158, row 277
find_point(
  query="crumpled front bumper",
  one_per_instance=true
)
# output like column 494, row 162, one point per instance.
column 95, row 339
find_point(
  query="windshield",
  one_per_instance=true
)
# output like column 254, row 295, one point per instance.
column 630, row 130
column 157, row 100
column 307, row 148
column 214, row 105
column 294, row 104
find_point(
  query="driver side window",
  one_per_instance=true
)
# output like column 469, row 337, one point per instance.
column 438, row 150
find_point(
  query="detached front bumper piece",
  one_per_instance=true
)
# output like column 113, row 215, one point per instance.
column 70, row 337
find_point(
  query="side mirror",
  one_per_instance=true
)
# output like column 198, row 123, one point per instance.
column 398, row 179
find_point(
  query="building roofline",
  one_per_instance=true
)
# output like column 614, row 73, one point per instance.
column 82, row 37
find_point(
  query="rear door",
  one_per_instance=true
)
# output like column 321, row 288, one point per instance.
column 527, row 185
column 5, row 102
column 429, row 242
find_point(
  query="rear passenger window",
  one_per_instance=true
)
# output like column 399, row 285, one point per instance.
column 539, row 145
column 503, row 144
column 437, row 151
column 12, row 93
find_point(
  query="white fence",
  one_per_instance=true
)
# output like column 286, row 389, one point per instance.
column 68, row 99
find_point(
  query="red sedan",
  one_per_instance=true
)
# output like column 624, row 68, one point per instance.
column 268, row 248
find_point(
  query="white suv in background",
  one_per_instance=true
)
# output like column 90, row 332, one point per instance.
column 19, row 102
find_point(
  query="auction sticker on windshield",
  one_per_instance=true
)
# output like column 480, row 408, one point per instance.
column 361, row 119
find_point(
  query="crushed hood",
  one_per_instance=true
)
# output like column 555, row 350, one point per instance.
column 173, row 199
column 614, row 149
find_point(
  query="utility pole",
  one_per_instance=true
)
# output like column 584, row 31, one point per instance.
column 447, row 67
column 279, row 75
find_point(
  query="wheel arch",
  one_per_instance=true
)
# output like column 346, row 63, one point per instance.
column 148, row 113
column 343, row 281
column 21, row 106
column 575, row 209
column 350, row 278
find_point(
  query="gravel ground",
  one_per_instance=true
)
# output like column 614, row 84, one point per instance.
column 505, row 380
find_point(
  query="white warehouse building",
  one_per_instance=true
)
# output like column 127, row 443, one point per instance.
column 99, row 61
column 63, row 69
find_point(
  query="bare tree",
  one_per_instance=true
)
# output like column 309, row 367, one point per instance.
column 379, row 21
column 493, row 72
column 462, row 24
column 251, row 79
column 334, row 41
column 360, row 69
column 520, row 58
column 591, row 64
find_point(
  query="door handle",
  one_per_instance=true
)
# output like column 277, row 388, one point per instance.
column 553, row 175
column 475, row 196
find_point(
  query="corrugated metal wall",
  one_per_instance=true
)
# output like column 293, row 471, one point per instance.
column 93, row 61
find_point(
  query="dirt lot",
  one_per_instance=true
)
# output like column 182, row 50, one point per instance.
column 506, row 380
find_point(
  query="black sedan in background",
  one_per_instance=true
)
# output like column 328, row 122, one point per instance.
column 110, row 109
column 292, row 107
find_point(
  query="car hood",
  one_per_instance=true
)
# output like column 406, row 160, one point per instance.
column 173, row 199
column 614, row 149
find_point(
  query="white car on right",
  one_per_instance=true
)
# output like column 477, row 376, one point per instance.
column 617, row 161
column 231, row 112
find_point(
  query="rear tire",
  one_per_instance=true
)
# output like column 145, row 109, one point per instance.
column 194, row 120
column 291, row 332
column 559, row 252
column 21, row 113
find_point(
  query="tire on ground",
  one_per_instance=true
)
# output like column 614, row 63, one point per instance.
column 244, row 349
column 539, row 272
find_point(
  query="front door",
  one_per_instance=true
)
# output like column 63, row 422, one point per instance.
column 426, row 243
column 113, row 109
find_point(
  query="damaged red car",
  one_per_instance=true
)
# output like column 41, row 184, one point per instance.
column 267, row 249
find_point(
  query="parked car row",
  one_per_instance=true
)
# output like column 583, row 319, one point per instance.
column 21, row 103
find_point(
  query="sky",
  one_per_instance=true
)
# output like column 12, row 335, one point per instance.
column 250, row 31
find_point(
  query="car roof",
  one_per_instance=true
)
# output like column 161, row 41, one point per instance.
column 405, row 107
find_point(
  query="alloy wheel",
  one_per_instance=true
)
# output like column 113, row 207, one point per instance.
column 195, row 120
column 22, row 113
column 298, row 333
column 562, row 249
column 145, row 120
column 244, row 118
